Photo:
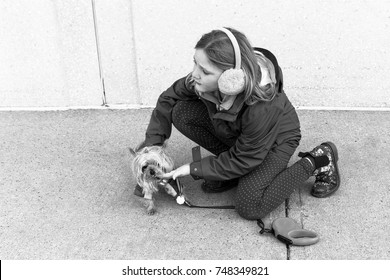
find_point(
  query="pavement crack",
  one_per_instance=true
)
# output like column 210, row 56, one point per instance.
column 287, row 207
column 288, row 252
column 302, row 214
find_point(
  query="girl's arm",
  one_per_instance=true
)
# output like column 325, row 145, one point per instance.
column 160, row 124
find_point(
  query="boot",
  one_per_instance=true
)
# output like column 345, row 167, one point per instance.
column 324, row 158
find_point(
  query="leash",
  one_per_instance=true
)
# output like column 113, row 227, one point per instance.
column 182, row 200
column 196, row 156
column 285, row 229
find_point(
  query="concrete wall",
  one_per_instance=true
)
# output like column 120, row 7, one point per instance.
column 67, row 53
column 48, row 54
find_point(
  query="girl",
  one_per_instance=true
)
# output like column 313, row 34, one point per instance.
column 233, row 104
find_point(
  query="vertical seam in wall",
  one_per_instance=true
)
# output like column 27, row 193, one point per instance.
column 101, row 74
column 134, row 56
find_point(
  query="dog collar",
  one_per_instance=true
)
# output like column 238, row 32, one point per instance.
column 163, row 182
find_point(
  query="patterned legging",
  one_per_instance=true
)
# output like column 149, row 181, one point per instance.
column 263, row 189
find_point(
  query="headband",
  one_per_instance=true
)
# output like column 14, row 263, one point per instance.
column 236, row 47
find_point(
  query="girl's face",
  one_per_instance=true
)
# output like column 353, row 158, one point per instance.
column 205, row 74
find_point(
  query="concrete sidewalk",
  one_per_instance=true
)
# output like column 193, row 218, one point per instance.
column 66, row 193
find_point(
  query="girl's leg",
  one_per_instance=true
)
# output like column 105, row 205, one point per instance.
column 191, row 118
column 265, row 188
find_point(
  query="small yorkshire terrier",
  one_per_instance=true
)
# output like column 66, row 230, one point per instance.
column 148, row 166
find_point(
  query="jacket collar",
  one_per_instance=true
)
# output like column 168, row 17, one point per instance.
column 231, row 112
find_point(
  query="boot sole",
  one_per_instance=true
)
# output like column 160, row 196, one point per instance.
column 335, row 160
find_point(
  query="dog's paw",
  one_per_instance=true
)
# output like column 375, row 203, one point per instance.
column 151, row 211
column 149, row 204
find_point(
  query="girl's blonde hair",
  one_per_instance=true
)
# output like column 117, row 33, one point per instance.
column 219, row 50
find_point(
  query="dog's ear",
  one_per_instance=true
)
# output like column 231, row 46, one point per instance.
column 132, row 152
column 140, row 146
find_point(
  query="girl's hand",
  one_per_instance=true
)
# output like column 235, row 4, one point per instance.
column 182, row 171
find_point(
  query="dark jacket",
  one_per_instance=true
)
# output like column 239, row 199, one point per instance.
column 258, row 128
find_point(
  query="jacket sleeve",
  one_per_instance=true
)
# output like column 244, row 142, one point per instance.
column 259, row 133
column 160, row 124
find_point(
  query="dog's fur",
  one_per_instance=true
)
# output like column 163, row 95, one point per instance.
column 148, row 166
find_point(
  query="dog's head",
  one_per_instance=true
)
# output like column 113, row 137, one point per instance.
column 149, row 164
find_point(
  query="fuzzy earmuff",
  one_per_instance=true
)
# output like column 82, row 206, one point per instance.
column 232, row 81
